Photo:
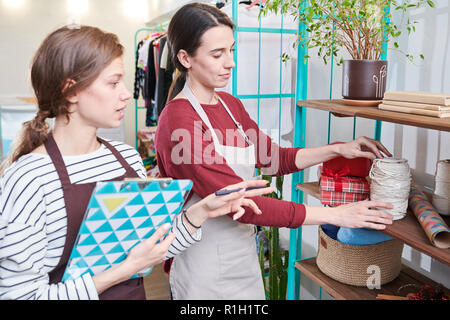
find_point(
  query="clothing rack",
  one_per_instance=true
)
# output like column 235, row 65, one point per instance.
column 161, row 28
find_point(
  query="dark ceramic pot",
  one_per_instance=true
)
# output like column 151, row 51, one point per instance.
column 364, row 79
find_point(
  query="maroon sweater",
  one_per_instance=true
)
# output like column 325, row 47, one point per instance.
column 180, row 158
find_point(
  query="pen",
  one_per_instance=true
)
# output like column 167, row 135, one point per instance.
column 225, row 192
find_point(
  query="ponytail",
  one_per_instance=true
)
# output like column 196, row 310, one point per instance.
column 177, row 85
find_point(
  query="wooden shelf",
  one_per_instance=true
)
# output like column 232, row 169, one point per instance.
column 311, row 188
column 342, row 291
column 338, row 108
column 407, row 229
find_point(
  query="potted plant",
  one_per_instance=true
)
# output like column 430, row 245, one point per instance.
column 362, row 27
column 269, row 249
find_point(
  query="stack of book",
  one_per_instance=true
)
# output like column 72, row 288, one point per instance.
column 417, row 102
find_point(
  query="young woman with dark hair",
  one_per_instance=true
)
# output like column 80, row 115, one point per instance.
column 207, row 136
column 46, row 183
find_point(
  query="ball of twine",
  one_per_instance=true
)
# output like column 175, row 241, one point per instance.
column 441, row 194
column 390, row 182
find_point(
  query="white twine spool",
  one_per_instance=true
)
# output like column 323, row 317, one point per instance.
column 390, row 182
column 441, row 195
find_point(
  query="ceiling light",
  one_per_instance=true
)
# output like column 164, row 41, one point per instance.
column 137, row 9
column 13, row 3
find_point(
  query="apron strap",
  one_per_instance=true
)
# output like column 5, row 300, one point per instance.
column 197, row 107
column 57, row 159
column 238, row 125
column 129, row 170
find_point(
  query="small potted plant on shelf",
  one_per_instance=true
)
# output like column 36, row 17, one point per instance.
column 361, row 27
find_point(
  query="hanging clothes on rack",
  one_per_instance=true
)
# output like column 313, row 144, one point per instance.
column 165, row 75
column 154, row 75
column 149, row 86
column 142, row 68
column 139, row 74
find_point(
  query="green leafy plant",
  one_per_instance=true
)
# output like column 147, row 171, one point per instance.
column 358, row 26
column 276, row 287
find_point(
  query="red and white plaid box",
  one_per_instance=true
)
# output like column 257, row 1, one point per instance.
column 335, row 191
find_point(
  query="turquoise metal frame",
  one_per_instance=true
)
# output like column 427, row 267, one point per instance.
column 260, row 30
column 295, row 237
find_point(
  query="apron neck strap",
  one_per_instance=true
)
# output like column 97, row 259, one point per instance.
column 57, row 159
column 238, row 125
column 119, row 157
column 60, row 166
column 199, row 109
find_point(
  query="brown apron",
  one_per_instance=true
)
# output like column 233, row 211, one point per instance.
column 76, row 198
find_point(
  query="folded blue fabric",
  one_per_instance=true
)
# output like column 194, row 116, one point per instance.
column 330, row 230
column 361, row 237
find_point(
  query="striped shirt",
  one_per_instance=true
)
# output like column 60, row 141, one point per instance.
column 33, row 221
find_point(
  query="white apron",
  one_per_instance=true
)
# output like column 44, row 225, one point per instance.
column 224, row 264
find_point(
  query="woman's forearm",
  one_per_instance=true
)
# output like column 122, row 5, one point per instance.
column 318, row 215
column 114, row 275
column 306, row 158
column 361, row 214
column 195, row 218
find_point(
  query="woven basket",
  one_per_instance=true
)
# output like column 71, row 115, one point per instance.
column 349, row 263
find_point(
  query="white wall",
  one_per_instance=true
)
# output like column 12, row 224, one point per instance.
column 421, row 147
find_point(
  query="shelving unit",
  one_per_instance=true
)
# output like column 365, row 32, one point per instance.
column 407, row 229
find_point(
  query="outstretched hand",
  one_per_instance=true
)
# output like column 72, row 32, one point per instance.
column 363, row 147
column 234, row 202
column 362, row 214
column 214, row 206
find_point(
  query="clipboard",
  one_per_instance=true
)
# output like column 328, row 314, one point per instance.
column 121, row 214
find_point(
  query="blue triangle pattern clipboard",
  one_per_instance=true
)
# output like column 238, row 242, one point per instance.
column 120, row 215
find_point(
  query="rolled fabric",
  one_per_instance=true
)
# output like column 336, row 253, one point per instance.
column 441, row 194
column 434, row 226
